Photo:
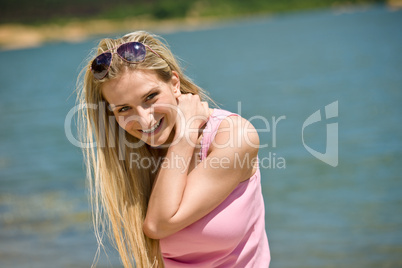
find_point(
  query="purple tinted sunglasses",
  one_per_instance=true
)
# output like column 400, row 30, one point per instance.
column 131, row 52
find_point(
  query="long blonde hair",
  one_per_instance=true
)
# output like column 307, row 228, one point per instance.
column 119, row 193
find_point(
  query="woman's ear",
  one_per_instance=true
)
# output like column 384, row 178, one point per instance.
column 176, row 84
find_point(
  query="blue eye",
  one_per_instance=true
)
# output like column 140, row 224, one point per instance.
column 124, row 109
column 151, row 96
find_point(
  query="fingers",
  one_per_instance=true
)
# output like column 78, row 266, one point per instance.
column 189, row 97
column 206, row 106
column 193, row 109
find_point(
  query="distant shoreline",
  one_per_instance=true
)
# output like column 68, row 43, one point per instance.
column 18, row 36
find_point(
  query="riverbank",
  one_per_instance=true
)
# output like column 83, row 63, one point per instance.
column 20, row 36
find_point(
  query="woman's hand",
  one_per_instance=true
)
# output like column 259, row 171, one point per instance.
column 192, row 114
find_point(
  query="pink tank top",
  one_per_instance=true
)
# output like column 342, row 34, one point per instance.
column 232, row 235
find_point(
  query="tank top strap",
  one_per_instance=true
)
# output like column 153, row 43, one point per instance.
column 211, row 128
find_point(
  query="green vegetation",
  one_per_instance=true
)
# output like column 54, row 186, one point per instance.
column 56, row 11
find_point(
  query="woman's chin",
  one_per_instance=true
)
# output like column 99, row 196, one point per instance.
column 156, row 145
column 161, row 142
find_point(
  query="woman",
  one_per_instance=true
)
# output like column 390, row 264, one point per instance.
column 177, row 182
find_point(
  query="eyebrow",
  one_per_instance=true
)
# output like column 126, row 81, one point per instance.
column 112, row 106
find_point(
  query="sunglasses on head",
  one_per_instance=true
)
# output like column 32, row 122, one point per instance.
column 131, row 52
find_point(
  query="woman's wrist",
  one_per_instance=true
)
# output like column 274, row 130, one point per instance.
column 188, row 138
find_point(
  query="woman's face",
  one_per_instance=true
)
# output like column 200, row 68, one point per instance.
column 144, row 105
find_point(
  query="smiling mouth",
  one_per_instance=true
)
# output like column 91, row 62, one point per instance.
column 155, row 127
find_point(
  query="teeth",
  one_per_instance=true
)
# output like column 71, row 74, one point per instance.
column 153, row 128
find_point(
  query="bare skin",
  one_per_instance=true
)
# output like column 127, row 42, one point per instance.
column 159, row 114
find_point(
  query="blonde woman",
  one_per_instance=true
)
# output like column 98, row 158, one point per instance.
column 175, row 182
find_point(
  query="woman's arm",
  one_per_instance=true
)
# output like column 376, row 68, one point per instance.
column 178, row 199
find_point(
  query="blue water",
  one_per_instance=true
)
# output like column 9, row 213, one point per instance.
column 283, row 66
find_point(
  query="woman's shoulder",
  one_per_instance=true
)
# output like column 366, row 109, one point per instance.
column 237, row 141
column 233, row 131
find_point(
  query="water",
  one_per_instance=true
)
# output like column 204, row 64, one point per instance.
column 287, row 67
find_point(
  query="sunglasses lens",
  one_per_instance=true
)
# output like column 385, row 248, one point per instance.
column 132, row 52
column 100, row 65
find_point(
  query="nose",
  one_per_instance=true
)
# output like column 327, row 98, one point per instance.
column 144, row 118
